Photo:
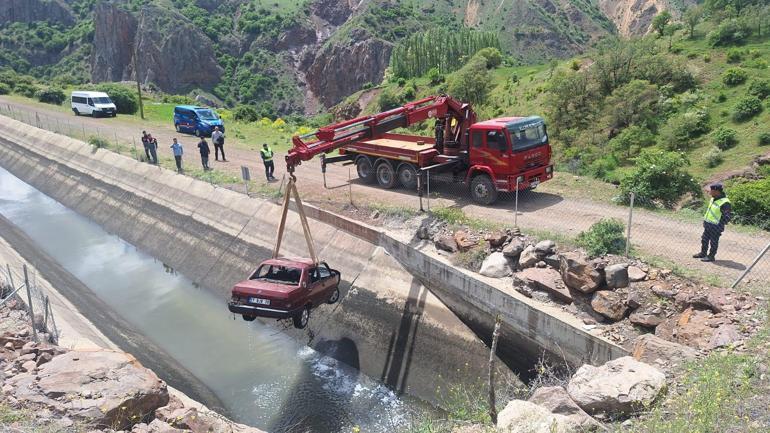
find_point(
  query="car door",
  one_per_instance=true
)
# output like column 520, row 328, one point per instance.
column 327, row 280
column 314, row 287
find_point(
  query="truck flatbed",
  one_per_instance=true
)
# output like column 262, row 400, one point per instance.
column 417, row 150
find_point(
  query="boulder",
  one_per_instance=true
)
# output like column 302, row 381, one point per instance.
column 664, row 291
column 648, row 317
column 651, row 349
column 547, row 280
column 714, row 299
column 692, row 328
column 528, row 257
column 724, row 336
column 156, row 426
column 495, row 266
column 636, row 274
column 545, row 248
column 514, row 249
column 621, row 386
column 446, row 243
column 120, row 389
column 616, row 276
column 496, row 239
column 556, row 400
column 195, row 421
column 579, row 274
column 521, row 416
column 609, row 304
column 553, row 261
column 464, row 241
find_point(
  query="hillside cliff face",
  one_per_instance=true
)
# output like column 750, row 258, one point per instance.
column 27, row 11
column 634, row 17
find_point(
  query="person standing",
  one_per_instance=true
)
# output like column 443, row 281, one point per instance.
column 218, row 138
column 176, row 147
column 152, row 146
column 145, row 143
column 267, row 158
column 203, row 146
column 718, row 214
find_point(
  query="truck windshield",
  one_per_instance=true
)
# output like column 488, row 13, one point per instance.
column 207, row 115
column 278, row 274
column 528, row 137
column 102, row 100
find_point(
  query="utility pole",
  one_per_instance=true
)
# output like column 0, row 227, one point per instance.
column 138, row 85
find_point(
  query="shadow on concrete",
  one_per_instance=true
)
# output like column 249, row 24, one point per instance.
column 730, row 264
column 401, row 346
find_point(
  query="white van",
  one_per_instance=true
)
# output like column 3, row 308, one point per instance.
column 93, row 103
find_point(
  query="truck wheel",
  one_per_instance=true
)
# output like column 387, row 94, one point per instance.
column 248, row 318
column 335, row 296
column 407, row 176
column 301, row 319
column 364, row 169
column 483, row 190
column 386, row 176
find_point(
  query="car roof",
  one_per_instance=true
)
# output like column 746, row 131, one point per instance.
column 87, row 93
column 296, row 262
column 188, row 107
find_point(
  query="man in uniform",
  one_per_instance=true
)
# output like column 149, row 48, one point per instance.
column 267, row 157
column 718, row 214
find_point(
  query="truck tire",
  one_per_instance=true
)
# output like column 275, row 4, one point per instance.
column 483, row 189
column 386, row 175
column 364, row 169
column 407, row 176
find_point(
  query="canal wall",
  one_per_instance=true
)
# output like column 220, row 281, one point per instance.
column 389, row 324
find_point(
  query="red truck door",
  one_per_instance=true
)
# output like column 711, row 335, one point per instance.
column 490, row 147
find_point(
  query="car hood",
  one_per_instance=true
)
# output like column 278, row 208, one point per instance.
column 105, row 105
column 212, row 122
column 263, row 289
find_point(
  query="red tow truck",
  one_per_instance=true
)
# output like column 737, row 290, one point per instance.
column 490, row 157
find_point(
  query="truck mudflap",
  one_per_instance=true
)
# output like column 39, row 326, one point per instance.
column 529, row 179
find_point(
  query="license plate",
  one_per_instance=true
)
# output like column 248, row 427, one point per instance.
column 259, row 301
column 534, row 183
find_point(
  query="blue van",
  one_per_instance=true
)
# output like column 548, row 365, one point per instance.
column 196, row 120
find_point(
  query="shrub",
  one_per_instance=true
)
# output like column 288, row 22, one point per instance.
column 659, row 176
column 25, row 89
column 759, row 88
column 721, row 98
column 388, row 99
column 734, row 76
column 471, row 259
column 98, row 142
column 746, row 108
column 605, row 237
column 51, row 96
column 730, row 32
column 575, row 65
column 725, row 138
column 714, row 157
column 764, row 138
column 125, row 98
column 734, row 56
column 246, row 113
column 751, row 203
column 435, row 76
column 706, row 58
column 679, row 131
column 4, row 89
column 492, row 56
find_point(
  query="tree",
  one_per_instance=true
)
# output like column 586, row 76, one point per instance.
column 635, row 103
column 571, row 100
column 692, row 17
column 659, row 177
column 671, row 31
column 661, row 21
column 632, row 140
column 472, row 82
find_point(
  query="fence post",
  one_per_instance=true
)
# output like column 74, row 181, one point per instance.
column 420, row 176
column 493, row 349
column 630, row 220
column 133, row 142
column 10, row 276
column 516, row 206
column 45, row 307
column 427, row 174
column 754, row 263
column 350, row 188
column 83, row 126
column 29, row 299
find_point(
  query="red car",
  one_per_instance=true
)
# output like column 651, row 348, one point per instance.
column 282, row 288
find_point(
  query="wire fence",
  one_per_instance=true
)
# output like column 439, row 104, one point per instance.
column 19, row 286
column 559, row 209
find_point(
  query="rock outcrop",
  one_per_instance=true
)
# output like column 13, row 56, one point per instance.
column 27, row 11
column 521, row 416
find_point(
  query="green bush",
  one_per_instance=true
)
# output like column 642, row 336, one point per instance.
column 734, row 76
column 764, row 138
column 659, row 177
column 729, row 32
column 759, row 88
column 492, row 56
column 679, row 131
column 98, row 142
column 245, row 113
column 734, row 56
column 706, row 58
column 25, row 89
column 746, row 108
column 714, row 157
column 605, row 237
column 751, row 202
column 725, row 138
column 388, row 99
column 51, row 96
column 4, row 89
column 125, row 98
column 435, row 76
column 721, row 97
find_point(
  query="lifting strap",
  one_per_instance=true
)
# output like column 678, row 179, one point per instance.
column 291, row 189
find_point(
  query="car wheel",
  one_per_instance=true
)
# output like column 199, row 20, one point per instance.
column 301, row 319
column 198, row 133
column 248, row 318
column 114, row 114
column 386, row 176
column 364, row 169
column 176, row 127
column 483, row 190
column 407, row 176
column 335, row 296
column 77, row 113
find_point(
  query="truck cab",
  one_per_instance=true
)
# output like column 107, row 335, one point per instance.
column 506, row 154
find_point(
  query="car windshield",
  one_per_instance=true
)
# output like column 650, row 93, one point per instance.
column 528, row 136
column 207, row 115
column 102, row 100
column 278, row 274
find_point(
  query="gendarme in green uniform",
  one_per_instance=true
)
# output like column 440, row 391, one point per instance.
column 718, row 214
column 714, row 211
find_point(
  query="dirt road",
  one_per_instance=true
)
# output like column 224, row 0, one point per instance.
column 653, row 234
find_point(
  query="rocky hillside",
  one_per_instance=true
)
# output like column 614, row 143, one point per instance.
column 633, row 18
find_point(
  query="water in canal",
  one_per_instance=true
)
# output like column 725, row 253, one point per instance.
column 264, row 378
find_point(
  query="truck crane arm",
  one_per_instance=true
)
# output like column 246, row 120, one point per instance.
column 332, row 137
